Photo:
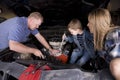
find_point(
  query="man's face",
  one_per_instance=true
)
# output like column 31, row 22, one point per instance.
column 35, row 23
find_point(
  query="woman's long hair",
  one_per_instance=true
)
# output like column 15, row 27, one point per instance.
column 101, row 21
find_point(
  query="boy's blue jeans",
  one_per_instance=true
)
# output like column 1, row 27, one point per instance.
column 78, row 57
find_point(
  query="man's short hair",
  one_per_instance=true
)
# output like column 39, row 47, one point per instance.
column 36, row 15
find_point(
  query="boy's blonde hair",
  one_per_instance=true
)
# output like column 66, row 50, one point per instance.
column 36, row 15
column 75, row 24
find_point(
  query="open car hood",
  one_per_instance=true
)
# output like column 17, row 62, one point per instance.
column 57, row 12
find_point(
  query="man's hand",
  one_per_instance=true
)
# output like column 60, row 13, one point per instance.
column 38, row 53
column 53, row 51
column 18, row 47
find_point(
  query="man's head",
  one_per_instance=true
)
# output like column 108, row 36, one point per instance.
column 35, row 19
column 75, row 26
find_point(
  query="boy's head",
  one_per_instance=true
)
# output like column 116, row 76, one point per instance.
column 75, row 26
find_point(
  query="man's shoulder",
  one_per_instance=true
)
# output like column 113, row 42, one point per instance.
column 17, row 18
column 21, row 19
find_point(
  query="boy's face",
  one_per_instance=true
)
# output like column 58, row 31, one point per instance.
column 73, row 32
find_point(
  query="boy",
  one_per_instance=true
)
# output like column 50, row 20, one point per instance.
column 84, row 41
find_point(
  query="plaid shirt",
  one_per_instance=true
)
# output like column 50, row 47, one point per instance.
column 112, row 43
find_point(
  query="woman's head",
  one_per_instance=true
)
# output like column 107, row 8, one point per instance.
column 99, row 19
column 99, row 22
column 35, row 19
column 75, row 26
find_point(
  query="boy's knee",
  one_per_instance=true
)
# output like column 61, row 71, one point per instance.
column 82, row 61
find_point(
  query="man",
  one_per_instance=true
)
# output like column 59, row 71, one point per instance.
column 16, row 30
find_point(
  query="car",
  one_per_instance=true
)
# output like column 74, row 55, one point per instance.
column 57, row 14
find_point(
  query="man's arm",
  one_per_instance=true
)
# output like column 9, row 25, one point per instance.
column 43, row 41
column 19, row 47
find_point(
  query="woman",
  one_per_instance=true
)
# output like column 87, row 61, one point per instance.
column 99, row 23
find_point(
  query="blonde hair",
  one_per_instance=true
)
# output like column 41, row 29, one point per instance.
column 101, row 21
column 75, row 24
column 36, row 15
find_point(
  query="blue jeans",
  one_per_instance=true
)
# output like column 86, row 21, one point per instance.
column 79, row 58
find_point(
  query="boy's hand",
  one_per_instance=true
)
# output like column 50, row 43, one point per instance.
column 64, row 36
